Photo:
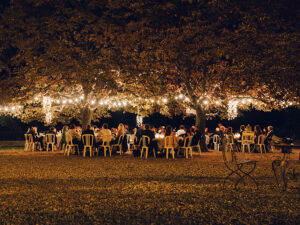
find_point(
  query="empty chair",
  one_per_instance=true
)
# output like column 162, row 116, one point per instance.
column 169, row 146
column 247, row 141
column 187, row 148
column 50, row 141
column 88, row 143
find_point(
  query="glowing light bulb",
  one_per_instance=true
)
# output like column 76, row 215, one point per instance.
column 124, row 103
column 64, row 102
column 217, row 102
column 249, row 100
column 186, row 99
column 76, row 99
column 180, row 96
column 81, row 97
column 13, row 108
column 243, row 101
column 205, row 102
column 100, row 102
column 176, row 97
column 70, row 101
column 158, row 101
column 36, row 98
column 6, row 109
column 119, row 104
column 152, row 100
column 93, row 102
column 165, row 100
column 57, row 101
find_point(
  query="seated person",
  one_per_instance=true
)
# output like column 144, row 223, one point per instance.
column 89, row 130
column 197, row 136
column 104, row 132
column 153, row 146
column 36, row 138
column 52, row 131
column 63, row 136
column 76, row 138
column 181, row 132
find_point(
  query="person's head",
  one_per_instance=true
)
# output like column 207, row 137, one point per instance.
column 229, row 130
column 105, row 126
column 52, row 129
column 270, row 128
column 220, row 125
column 217, row 129
column 65, row 128
column 134, row 130
column 181, row 127
column 126, row 126
column 206, row 130
column 72, row 126
column 222, row 128
column 147, row 127
column 34, row 129
column 121, row 128
column 257, row 128
column 152, row 128
column 169, row 130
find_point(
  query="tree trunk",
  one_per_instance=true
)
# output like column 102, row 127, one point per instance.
column 86, row 117
column 201, row 124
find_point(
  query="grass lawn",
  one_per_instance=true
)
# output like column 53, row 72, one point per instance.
column 48, row 188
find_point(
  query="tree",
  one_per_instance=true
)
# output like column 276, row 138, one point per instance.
column 64, row 49
column 216, row 52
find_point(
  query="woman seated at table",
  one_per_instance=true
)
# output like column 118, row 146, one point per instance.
column 257, row 132
column 76, row 138
column 119, row 133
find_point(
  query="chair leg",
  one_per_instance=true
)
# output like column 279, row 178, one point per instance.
column 142, row 150
column 146, row 156
column 167, row 153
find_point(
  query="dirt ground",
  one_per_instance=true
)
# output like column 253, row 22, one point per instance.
column 49, row 188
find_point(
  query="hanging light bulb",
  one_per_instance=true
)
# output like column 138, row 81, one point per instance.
column 205, row 102
column 36, row 98
column 152, row 100
column 81, row 97
column 93, row 102
column 180, row 96
column 243, row 101
column 217, row 102
column 70, row 101
column 165, row 100
column 76, row 99
column 186, row 99
column 64, row 101
column 13, row 108
column 5, row 108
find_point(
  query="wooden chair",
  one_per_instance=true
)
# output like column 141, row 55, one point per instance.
column 70, row 146
column 50, row 141
column 88, row 143
column 188, row 149
column 216, row 141
column 144, row 143
column 236, row 167
column 119, row 144
column 169, row 146
column 29, row 144
column 248, row 140
column 261, row 143
column 106, row 139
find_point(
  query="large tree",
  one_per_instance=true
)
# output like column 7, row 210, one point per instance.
column 64, row 50
column 217, row 52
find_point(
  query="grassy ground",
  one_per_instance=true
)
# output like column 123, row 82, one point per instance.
column 48, row 188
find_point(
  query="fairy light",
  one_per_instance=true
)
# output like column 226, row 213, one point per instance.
column 186, row 99
column 232, row 111
column 180, row 96
column 152, row 100
column 76, row 99
column 64, row 101
column 165, row 100
column 57, row 101
column 47, row 103
column 81, row 97
column 6, row 109
column 139, row 120
column 70, row 101
column 217, row 102
column 205, row 102
column 243, row 101
column 13, row 108
column 36, row 98
column 93, row 102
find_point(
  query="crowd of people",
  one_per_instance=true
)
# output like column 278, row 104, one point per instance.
column 150, row 131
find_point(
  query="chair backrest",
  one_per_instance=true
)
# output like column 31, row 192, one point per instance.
column 88, row 139
column 248, row 137
column 145, row 140
column 106, row 140
column 169, row 142
column 120, row 140
column 261, row 139
column 187, row 141
column 69, row 139
column 28, row 138
column 50, row 138
column 216, row 138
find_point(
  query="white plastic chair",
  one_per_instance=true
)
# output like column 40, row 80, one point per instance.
column 216, row 141
column 261, row 143
column 188, row 149
column 169, row 146
column 247, row 140
column 106, row 139
column 88, row 142
column 50, row 141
